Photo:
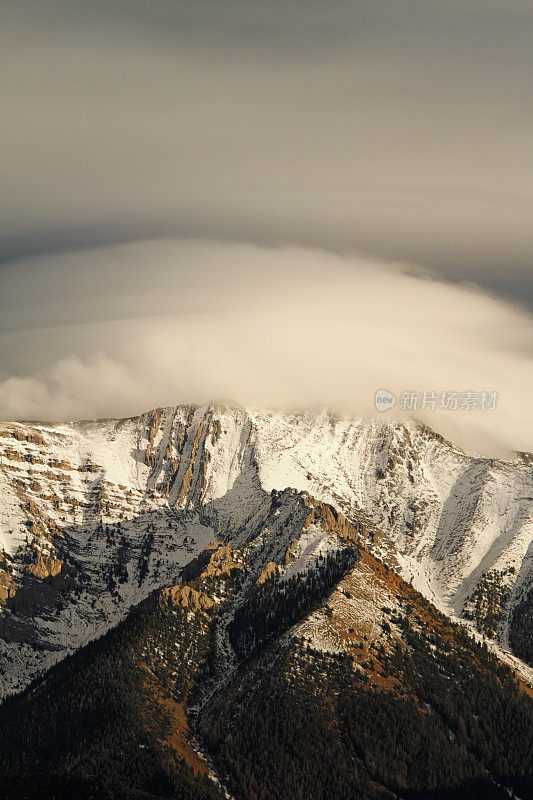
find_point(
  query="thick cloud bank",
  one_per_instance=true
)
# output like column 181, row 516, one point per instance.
column 116, row 331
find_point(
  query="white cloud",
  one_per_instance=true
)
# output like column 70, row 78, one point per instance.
column 169, row 321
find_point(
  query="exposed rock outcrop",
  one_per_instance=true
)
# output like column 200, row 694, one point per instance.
column 270, row 570
column 44, row 567
column 186, row 596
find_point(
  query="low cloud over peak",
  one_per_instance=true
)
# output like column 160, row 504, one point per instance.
column 114, row 331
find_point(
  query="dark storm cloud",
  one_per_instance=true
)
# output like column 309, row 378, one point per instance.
column 401, row 129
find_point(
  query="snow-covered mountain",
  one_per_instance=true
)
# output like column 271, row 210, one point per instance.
column 96, row 515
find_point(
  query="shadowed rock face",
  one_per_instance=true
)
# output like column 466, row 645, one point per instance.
column 96, row 515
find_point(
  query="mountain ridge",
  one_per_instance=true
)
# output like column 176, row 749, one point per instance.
column 90, row 508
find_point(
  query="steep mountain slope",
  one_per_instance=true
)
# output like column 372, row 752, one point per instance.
column 96, row 515
column 291, row 664
column 363, row 700
column 111, row 717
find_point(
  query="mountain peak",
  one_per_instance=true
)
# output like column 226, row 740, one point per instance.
column 123, row 504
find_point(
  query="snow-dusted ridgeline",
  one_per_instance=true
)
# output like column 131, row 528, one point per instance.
column 94, row 515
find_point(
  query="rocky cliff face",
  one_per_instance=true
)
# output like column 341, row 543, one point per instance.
column 94, row 516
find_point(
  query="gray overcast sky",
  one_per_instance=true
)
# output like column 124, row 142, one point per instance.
column 374, row 159
column 402, row 129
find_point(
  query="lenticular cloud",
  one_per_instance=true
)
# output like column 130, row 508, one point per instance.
column 168, row 321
